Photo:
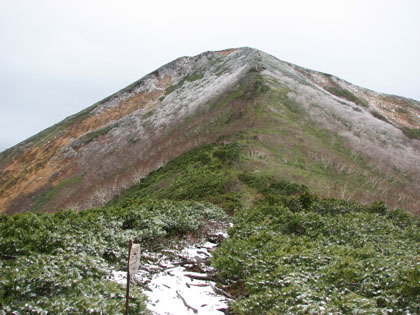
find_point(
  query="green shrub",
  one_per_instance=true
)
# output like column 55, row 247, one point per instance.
column 148, row 114
column 284, row 188
column 346, row 94
column 378, row 207
column 412, row 133
column 59, row 263
column 379, row 116
column 41, row 200
column 190, row 78
column 202, row 174
column 28, row 233
column 194, row 77
column 257, row 181
column 90, row 136
column 331, row 257
column 259, row 87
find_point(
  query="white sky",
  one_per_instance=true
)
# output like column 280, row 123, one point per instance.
column 59, row 57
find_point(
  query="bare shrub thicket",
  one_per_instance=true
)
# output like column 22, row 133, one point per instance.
column 393, row 159
column 110, row 174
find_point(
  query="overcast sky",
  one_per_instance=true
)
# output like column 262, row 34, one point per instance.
column 59, row 57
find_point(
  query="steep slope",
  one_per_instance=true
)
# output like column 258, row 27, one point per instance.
column 291, row 122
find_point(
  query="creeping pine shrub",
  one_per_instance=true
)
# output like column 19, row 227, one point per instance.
column 202, row 174
column 328, row 257
column 346, row 94
column 379, row 116
column 412, row 133
column 255, row 180
column 59, row 263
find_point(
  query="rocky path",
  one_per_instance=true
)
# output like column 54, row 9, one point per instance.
column 179, row 281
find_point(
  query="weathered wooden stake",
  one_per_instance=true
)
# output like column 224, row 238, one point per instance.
column 127, row 295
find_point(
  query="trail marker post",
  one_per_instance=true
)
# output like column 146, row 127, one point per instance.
column 132, row 268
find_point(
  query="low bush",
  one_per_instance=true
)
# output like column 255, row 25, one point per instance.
column 412, row 133
column 328, row 257
column 379, row 116
column 202, row 174
column 59, row 263
column 346, row 94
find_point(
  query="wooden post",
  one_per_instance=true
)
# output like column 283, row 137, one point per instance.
column 127, row 295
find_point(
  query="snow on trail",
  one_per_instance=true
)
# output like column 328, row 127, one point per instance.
column 172, row 289
column 173, row 292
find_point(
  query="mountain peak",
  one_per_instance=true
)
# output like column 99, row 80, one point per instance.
column 238, row 94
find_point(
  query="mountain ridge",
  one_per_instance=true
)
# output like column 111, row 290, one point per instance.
column 95, row 154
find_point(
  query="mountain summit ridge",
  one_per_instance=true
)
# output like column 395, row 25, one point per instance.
column 225, row 95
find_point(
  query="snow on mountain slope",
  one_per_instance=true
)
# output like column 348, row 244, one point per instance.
column 94, row 155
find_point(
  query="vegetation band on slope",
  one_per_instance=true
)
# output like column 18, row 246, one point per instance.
column 288, row 252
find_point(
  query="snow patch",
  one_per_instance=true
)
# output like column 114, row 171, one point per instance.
column 171, row 289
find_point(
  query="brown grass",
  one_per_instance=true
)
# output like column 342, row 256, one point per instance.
column 226, row 52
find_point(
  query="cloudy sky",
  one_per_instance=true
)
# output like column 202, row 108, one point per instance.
column 58, row 57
